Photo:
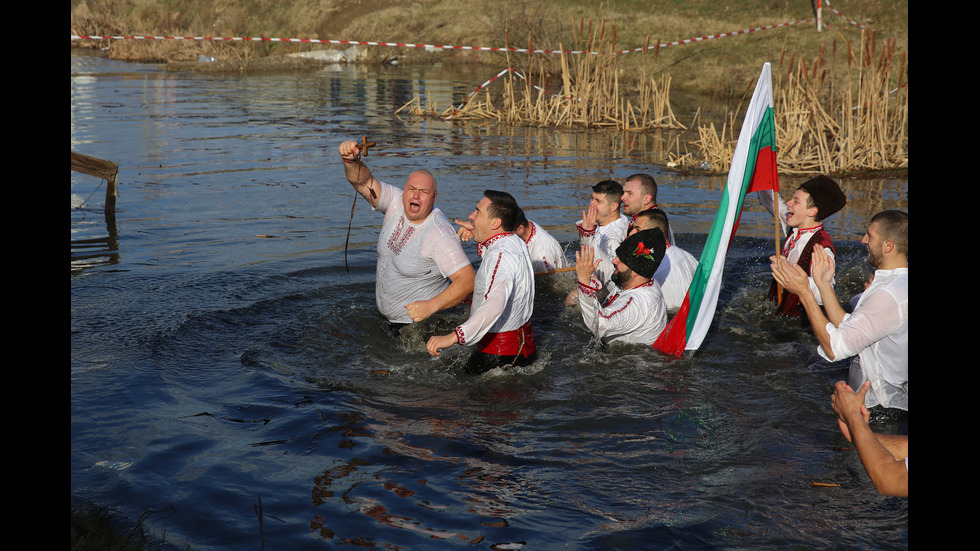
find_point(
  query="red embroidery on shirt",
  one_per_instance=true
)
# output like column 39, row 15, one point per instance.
column 610, row 301
column 791, row 242
column 480, row 247
column 493, row 276
column 587, row 289
column 394, row 243
column 582, row 232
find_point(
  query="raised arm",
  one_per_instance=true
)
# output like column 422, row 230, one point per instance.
column 822, row 271
column 795, row 280
column 358, row 174
column 885, row 463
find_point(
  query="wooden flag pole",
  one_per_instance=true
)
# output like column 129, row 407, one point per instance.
column 775, row 205
column 555, row 271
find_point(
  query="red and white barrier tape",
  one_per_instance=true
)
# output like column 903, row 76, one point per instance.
column 448, row 47
column 844, row 17
column 431, row 46
column 714, row 36
column 317, row 41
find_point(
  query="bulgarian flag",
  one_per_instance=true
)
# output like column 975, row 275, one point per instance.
column 753, row 169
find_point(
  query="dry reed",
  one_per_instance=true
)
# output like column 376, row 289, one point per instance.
column 824, row 125
column 589, row 94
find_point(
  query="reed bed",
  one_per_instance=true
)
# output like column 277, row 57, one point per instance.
column 589, row 94
column 832, row 117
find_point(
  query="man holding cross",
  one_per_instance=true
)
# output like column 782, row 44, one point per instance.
column 422, row 268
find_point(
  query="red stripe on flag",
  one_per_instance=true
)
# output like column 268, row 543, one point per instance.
column 765, row 176
column 673, row 340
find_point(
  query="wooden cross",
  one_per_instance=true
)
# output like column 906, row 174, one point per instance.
column 365, row 144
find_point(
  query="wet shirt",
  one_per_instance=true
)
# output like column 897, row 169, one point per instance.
column 546, row 253
column 414, row 260
column 674, row 276
column 637, row 315
column 877, row 332
column 503, row 293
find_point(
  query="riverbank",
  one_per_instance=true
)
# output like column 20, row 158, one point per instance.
column 719, row 67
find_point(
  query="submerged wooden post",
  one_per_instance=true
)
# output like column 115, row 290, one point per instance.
column 107, row 170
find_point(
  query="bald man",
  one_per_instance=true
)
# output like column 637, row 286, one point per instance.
column 422, row 268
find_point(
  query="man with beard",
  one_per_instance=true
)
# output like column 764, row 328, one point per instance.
column 422, row 268
column 877, row 331
column 639, row 194
column 634, row 312
column 677, row 270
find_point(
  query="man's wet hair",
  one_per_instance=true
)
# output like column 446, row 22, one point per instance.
column 611, row 189
column 521, row 219
column 503, row 206
column 657, row 218
column 894, row 225
column 648, row 186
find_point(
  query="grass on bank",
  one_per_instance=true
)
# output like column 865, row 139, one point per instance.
column 837, row 110
column 846, row 111
column 718, row 67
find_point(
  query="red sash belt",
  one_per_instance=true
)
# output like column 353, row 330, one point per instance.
column 519, row 342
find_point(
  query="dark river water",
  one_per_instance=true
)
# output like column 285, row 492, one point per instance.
column 230, row 375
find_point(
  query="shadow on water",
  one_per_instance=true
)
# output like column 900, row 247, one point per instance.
column 229, row 373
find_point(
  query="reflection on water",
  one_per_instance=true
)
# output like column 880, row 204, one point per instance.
column 226, row 365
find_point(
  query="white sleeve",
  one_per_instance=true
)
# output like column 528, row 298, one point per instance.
column 447, row 253
column 494, row 302
column 765, row 197
column 813, row 284
column 585, row 237
column 877, row 317
column 607, row 324
column 389, row 195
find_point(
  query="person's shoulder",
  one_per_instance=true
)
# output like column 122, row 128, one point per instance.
column 891, row 283
column 513, row 245
column 681, row 253
column 440, row 234
column 513, row 241
column 822, row 237
column 650, row 289
column 540, row 232
column 674, row 250
column 388, row 198
column 437, row 221
column 899, row 277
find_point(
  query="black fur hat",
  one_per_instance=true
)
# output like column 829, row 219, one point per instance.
column 826, row 195
column 643, row 251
